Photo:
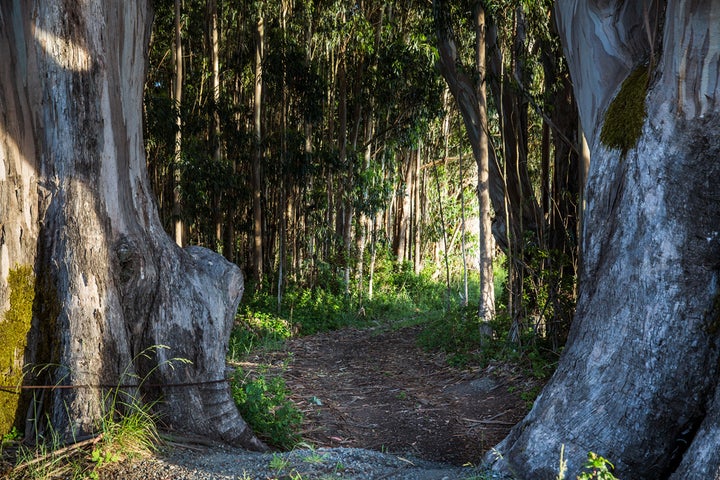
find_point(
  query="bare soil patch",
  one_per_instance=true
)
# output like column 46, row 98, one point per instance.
column 378, row 390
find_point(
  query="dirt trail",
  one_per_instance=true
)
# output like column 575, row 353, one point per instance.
column 378, row 390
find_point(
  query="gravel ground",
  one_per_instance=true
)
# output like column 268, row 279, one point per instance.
column 222, row 463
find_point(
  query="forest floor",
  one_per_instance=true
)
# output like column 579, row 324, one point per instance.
column 378, row 390
column 375, row 405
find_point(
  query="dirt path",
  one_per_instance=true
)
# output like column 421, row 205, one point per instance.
column 378, row 390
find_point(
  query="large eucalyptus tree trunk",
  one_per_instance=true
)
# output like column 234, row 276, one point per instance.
column 77, row 211
column 637, row 382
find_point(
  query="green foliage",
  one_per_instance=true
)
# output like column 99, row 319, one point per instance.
column 263, row 402
column 530, row 351
column 12, row 435
column 457, row 333
column 626, row 114
column 400, row 297
column 318, row 310
column 278, row 462
column 14, row 327
column 594, row 468
column 597, row 468
column 254, row 328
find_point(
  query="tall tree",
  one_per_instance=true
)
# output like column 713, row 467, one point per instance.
column 108, row 282
column 472, row 102
column 486, row 308
column 177, row 56
column 638, row 380
column 257, row 183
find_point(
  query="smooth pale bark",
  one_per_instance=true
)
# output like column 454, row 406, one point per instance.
column 637, row 382
column 178, row 223
column 472, row 103
column 402, row 210
column 77, row 207
column 464, row 92
column 215, row 127
column 258, row 266
column 486, row 308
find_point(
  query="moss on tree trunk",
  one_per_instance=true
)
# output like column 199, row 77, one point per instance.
column 14, row 328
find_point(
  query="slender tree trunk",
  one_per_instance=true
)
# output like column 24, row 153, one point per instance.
column 472, row 102
column 486, row 308
column 444, row 229
column 363, row 223
column 108, row 282
column 402, row 216
column 178, row 223
column 640, row 369
column 258, row 156
column 215, row 132
column 465, row 293
column 373, row 257
column 417, row 217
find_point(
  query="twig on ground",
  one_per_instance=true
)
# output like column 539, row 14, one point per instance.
column 60, row 452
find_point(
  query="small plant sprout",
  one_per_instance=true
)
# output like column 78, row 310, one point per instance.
column 314, row 458
column 278, row 462
column 597, row 468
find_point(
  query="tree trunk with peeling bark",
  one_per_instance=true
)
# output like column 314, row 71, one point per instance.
column 77, row 209
column 638, row 381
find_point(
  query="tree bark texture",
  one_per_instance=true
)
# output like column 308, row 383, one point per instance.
column 109, row 283
column 486, row 308
column 258, row 156
column 179, row 232
column 637, row 382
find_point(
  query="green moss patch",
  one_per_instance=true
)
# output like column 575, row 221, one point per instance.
column 626, row 114
column 14, row 327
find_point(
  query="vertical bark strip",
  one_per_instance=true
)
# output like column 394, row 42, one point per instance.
column 486, row 309
column 178, row 222
column 637, row 379
column 258, row 157
column 109, row 282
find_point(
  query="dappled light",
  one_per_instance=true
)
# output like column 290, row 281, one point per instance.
column 379, row 214
column 66, row 53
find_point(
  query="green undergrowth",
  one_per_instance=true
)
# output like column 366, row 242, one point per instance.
column 263, row 401
column 457, row 334
column 400, row 298
column 127, row 429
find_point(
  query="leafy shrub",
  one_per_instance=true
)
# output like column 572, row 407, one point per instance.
column 317, row 310
column 263, row 402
